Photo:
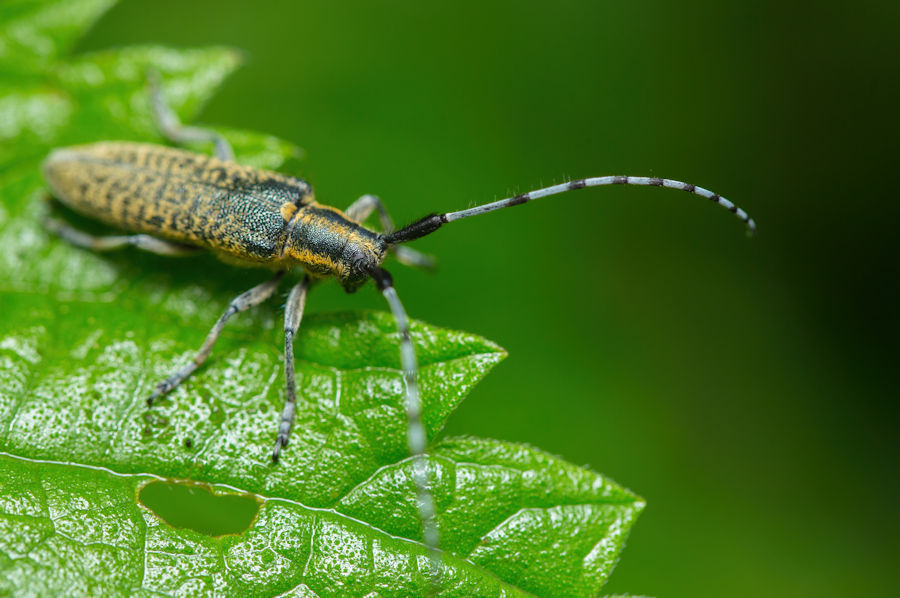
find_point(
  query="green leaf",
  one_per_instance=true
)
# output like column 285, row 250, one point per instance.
column 512, row 509
column 79, row 530
column 33, row 35
column 85, row 337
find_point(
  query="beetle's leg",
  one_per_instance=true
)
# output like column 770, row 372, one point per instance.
column 110, row 242
column 363, row 207
column 172, row 129
column 242, row 302
column 416, row 434
column 411, row 257
column 293, row 313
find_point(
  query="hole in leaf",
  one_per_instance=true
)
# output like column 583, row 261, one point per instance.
column 195, row 507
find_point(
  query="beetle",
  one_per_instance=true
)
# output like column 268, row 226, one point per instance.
column 175, row 202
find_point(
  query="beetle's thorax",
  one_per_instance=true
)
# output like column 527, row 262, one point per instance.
column 325, row 242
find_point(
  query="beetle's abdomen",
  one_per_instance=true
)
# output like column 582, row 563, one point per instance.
column 178, row 195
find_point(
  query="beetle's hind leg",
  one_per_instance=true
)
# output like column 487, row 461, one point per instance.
column 293, row 313
column 242, row 302
column 363, row 207
column 111, row 242
column 172, row 129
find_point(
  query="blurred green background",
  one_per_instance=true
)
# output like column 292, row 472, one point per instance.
column 743, row 387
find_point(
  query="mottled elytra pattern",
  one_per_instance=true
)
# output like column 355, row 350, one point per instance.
column 242, row 213
column 178, row 195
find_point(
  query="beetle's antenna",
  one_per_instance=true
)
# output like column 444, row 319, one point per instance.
column 416, row 436
column 432, row 222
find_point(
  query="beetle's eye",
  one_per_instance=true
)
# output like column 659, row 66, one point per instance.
column 359, row 263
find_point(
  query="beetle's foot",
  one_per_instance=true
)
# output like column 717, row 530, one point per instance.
column 162, row 389
column 281, row 443
column 284, row 429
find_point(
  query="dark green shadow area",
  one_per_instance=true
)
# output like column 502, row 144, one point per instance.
column 195, row 507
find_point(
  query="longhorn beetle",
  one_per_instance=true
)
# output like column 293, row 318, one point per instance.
column 175, row 202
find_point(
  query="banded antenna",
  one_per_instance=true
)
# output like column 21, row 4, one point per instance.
column 432, row 222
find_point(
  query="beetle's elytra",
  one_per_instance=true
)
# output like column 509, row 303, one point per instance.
column 175, row 202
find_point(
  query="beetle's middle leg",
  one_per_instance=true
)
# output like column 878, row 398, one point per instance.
column 172, row 129
column 363, row 207
column 293, row 313
column 242, row 302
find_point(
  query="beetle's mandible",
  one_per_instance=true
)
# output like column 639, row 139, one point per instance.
column 175, row 202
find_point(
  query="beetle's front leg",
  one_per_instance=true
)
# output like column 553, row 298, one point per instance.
column 293, row 313
column 242, row 302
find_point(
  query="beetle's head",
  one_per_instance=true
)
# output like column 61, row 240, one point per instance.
column 360, row 256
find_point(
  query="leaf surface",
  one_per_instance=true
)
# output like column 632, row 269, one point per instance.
column 85, row 337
